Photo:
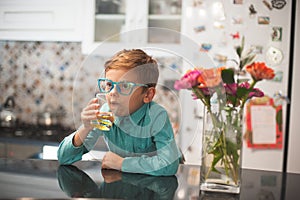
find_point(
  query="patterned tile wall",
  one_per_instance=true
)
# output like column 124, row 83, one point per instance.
column 38, row 74
column 57, row 75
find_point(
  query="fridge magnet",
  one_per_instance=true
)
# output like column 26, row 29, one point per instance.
column 218, row 25
column 267, row 4
column 220, row 58
column 278, row 4
column 252, row 10
column 257, row 49
column 263, row 124
column 205, row 47
column 174, row 66
column 197, row 3
column 235, row 35
column 199, row 29
column 274, row 56
column 238, row 1
column 263, row 20
column 276, row 33
column 278, row 76
column 280, row 99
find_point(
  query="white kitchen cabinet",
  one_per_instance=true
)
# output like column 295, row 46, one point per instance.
column 111, row 23
column 41, row 20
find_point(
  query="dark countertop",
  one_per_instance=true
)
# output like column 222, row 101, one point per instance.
column 46, row 179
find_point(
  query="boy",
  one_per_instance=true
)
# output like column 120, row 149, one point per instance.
column 141, row 139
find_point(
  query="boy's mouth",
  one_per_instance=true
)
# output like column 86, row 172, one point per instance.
column 114, row 103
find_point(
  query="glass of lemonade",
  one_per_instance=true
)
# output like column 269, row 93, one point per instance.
column 104, row 119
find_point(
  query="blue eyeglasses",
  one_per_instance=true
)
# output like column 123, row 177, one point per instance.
column 123, row 87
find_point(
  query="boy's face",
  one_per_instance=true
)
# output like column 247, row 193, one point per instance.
column 122, row 105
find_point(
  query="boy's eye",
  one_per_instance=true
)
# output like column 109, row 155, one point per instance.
column 125, row 85
column 108, row 84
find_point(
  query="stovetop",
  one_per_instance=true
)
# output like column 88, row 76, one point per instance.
column 53, row 133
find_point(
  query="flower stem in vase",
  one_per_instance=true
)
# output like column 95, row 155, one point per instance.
column 224, row 94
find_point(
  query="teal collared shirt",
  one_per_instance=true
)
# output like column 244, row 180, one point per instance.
column 145, row 139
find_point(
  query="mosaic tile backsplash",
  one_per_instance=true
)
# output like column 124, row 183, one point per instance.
column 57, row 76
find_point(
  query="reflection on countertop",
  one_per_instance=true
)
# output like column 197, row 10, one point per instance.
column 85, row 179
column 116, row 185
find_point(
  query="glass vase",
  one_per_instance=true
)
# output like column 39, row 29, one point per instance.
column 221, row 151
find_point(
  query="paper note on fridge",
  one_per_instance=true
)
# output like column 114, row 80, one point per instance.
column 263, row 121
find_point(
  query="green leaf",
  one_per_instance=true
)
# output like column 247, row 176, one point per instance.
column 279, row 119
column 243, row 42
column 228, row 76
column 231, row 98
column 247, row 60
column 218, row 154
column 239, row 51
column 232, row 150
column 242, row 92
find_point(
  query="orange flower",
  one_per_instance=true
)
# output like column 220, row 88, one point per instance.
column 260, row 71
column 210, row 77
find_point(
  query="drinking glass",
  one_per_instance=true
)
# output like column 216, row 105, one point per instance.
column 104, row 119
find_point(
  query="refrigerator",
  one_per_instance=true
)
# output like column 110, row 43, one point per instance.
column 217, row 27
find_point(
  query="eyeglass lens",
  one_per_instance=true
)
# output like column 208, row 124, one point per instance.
column 122, row 87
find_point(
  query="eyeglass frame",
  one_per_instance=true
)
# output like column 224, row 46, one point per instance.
column 117, row 86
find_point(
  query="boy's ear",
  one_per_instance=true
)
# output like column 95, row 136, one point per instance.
column 149, row 94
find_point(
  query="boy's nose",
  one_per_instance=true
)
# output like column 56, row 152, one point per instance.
column 114, row 91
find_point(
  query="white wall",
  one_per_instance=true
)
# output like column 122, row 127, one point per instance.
column 294, row 136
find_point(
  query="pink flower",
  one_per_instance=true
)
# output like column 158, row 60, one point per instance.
column 194, row 96
column 245, row 85
column 255, row 91
column 231, row 88
column 188, row 80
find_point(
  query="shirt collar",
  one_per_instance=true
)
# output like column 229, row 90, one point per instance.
column 134, row 117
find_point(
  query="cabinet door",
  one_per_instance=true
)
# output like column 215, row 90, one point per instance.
column 115, row 23
column 35, row 20
column 113, row 18
column 150, row 20
column 164, row 14
column 103, row 22
column 109, row 20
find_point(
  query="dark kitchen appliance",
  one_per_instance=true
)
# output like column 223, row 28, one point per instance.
column 7, row 116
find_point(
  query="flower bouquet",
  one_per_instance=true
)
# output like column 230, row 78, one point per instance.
column 224, row 93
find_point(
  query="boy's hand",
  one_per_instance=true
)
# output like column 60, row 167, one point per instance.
column 111, row 176
column 90, row 113
column 112, row 161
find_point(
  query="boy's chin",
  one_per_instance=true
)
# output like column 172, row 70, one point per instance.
column 120, row 113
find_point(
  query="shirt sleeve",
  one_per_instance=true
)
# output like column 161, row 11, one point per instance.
column 67, row 153
column 165, row 161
